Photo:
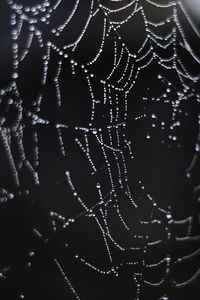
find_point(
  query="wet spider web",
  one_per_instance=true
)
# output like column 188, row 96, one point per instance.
column 92, row 92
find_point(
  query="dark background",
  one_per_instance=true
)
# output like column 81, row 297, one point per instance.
column 159, row 163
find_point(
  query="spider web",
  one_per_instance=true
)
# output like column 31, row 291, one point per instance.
column 94, row 89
